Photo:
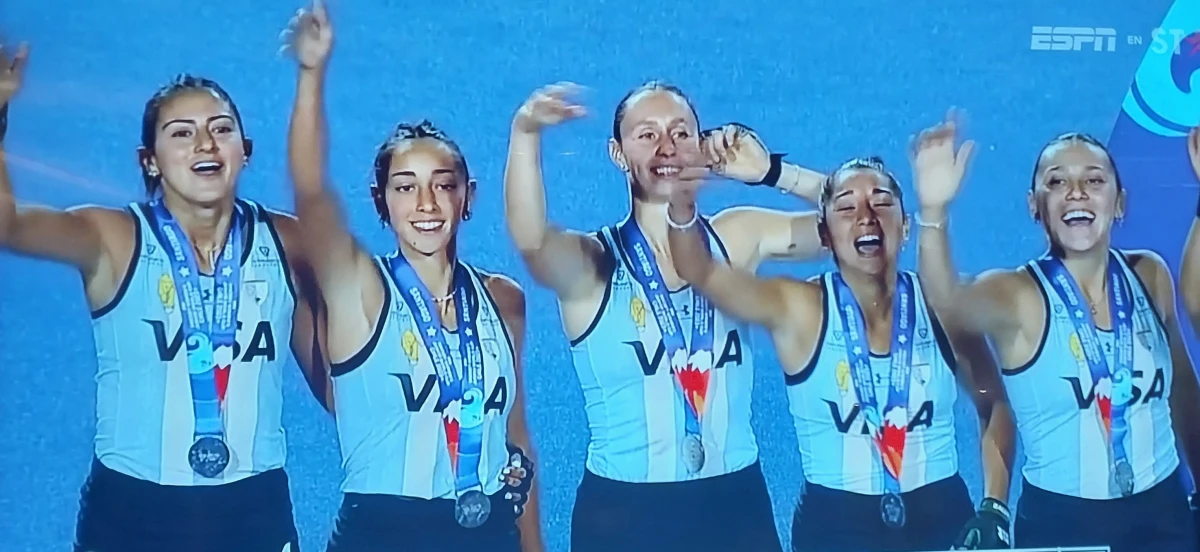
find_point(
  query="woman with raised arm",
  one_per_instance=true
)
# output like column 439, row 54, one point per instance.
column 189, row 292
column 1095, row 368
column 426, row 349
column 666, row 379
column 871, row 377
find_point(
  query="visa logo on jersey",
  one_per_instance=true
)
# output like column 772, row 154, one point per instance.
column 922, row 419
column 260, row 345
column 1157, row 388
column 1073, row 39
column 732, row 353
column 418, row 400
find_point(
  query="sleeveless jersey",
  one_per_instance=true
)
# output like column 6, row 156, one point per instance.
column 392, row 437
column 145, row 423
column 836, row 447
column 634, row 409
column 1053, row 402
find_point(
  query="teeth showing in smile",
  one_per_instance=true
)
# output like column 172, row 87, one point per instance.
column 665, row 171
column 429, row 225
column 207, row 167
column 869, row 240
column 1078, row 217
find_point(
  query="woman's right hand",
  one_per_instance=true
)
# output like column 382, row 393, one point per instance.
column 11, row 71
column 309, row 37
column 549, row 106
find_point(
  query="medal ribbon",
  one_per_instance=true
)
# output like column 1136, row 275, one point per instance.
column 460, row 388
column 1112, row 385
column 891, row 428
column 208, row 336
column 692, row 367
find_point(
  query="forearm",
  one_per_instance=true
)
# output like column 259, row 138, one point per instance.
column 692, row 260
column 307, row 135
column 998, row 442
column 524, row 191
column 1189, row 278
column 939, row 277
column 8, row 202
column 801, row 182
column 530, row 523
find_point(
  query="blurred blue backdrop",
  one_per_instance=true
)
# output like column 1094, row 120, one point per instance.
column 821, row 80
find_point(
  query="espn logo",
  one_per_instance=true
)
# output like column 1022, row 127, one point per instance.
column 1072, row 39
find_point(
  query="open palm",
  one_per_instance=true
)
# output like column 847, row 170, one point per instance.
column 549, row 106
column 938, row 168
column 309, row 36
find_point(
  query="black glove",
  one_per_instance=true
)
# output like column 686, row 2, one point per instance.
column 520, row 469
column 990, row 529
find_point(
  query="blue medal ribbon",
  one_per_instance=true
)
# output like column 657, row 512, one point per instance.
column 858, row 354
column 455, row 383
column 646, row 273
column 203, row 332
column 1120, row 373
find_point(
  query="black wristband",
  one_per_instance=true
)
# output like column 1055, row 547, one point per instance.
column 773, row 173
column 3, row 121
column 995, row 507
column 1197, row 201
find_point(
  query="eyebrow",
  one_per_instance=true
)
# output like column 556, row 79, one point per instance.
column 414, row 175
column 875, row 191
column 1089, row 167
column 190, row 122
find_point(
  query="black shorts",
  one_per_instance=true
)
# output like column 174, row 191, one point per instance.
column 371, row 523
column 830, row 520
column 119, row 513
column 727, row 513
column 1155, row 520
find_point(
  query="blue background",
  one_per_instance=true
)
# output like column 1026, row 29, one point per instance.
column 822, row 80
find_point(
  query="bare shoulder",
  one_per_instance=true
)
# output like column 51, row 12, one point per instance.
column 103, row 217
column 1000, row 282
column 506, row 292
column 288, row 228
column 1147, row 263
column 731, row 223
column 1153, row 270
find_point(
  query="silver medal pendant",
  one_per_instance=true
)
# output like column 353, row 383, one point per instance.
column 891, row 509
column 693, row 453
column 209, row 456
column 472, row 509
column 1124, row 475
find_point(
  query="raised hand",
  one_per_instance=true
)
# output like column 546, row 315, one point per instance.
column 735, row 151
column 549, row 106
column 308, row 37
column 12, row 69
column 937, row 168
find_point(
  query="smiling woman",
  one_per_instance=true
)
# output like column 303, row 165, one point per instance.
column 189, row 447
column 1101, row 451
column 427, row 371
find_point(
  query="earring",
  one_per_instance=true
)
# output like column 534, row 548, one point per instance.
column 466, row 214
column 153, row 173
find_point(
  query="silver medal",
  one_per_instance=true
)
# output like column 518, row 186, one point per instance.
column 891, row 509
column 472, row 509
column 208, row 456
column 693, row 453
column 1124, row 474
